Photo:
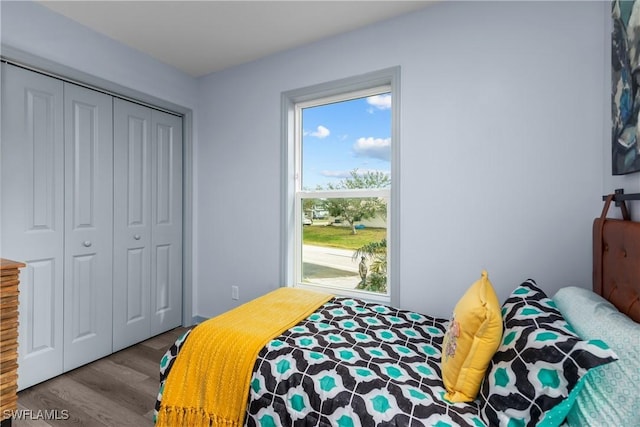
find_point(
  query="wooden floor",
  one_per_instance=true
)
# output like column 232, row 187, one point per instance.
column 119, row 390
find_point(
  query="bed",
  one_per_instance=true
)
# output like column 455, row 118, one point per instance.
column 530, row 360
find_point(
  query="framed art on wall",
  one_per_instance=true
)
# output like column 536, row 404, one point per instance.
column 625, row 82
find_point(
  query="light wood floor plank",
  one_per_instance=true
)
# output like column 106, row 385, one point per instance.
column 96, row 404
column 29, row 423
column 162, row 342
column 44, row 400
column 107, row 367
column 118, row 392
column 140, row 358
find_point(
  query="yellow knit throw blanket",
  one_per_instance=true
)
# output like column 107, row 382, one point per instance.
column 208, row 384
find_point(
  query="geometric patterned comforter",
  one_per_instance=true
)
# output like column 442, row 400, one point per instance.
column 349, row 364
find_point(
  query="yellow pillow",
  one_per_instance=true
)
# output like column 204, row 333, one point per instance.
column 473, row 336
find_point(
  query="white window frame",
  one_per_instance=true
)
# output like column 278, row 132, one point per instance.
column 293, row 102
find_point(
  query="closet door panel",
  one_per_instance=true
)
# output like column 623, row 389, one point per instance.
column 32, row 215
column 89, row 225
column 166, row 217
column 132, row 223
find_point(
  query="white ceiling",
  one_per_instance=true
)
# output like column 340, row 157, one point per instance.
column 201, row 37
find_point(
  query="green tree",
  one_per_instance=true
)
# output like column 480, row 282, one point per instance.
column 376, row 253
column 353, row 210
column 308, row 206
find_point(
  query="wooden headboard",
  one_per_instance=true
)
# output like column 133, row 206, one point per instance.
column 616, row 261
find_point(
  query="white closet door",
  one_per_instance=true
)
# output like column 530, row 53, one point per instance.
column 132, row 224
column 32, row 214
column 166, row 218
column 89, row 225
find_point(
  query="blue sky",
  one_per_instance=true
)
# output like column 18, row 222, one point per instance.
column 343, row 136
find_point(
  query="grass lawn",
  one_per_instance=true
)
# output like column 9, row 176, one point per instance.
column 341, row 237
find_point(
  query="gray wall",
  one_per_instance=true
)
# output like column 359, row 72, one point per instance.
column 502, row 118
column 504, row 111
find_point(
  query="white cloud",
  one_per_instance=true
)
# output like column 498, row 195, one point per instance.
column 321, row 132
column 335, row 174
column 378, row 148
column 341, row 174
column 381, row 102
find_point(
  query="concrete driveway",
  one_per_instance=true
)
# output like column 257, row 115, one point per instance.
column 340, row 259
column 330, row 267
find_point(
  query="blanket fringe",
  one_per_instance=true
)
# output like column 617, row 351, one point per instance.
column 172, row 417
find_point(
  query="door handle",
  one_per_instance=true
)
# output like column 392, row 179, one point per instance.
column 137, row 237
column 86, row 243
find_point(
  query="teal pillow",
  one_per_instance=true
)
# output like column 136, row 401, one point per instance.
column 611, row 393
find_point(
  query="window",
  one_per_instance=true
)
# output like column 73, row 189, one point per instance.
column 340, row 183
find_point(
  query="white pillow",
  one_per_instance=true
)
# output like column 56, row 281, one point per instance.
column 611, row 393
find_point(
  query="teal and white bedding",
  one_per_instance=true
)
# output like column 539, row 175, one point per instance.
column 353, row 363
column 611, row 393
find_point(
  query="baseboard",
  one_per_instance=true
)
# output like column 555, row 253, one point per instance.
column 197, row 319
